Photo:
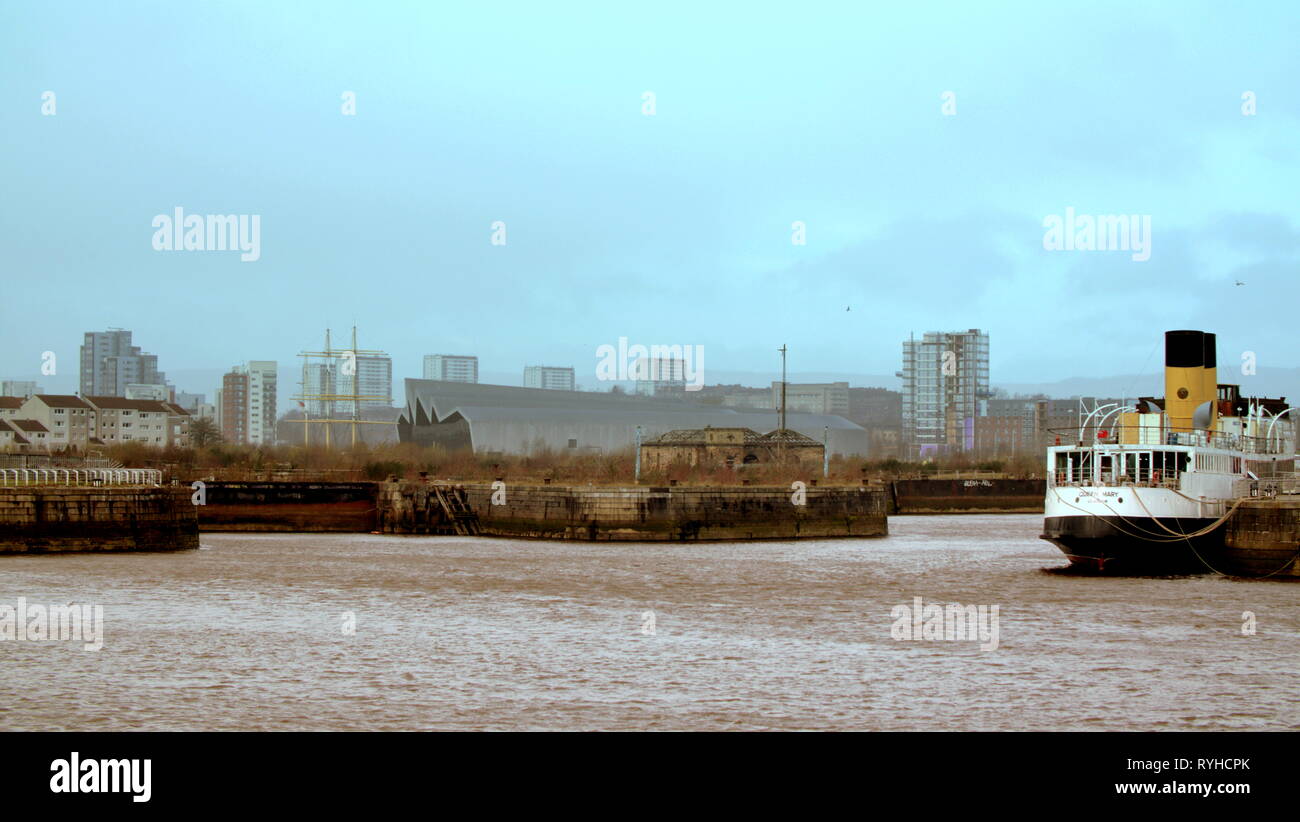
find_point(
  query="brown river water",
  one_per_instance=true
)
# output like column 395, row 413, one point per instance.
column 249, row 633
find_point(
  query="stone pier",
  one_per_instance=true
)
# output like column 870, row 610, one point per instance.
column 45, row 519
column 1262, row 538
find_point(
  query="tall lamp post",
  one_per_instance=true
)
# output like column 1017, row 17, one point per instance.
column 638, row 454
column 826, row 454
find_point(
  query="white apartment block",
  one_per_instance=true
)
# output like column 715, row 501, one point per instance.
column 549, row 377
column 246, row 403
column 945, row 387
column 451, row 367
column 372, row 382
column 261, row 401
column 659, row 375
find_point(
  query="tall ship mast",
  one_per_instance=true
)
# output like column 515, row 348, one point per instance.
column 1146, row 488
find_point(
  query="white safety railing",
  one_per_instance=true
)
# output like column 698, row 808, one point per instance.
column 11, row 477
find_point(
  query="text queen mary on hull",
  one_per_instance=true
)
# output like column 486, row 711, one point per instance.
column 1149, row 492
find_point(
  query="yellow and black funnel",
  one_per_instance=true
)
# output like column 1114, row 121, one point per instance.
column 1191, row 377
column 1211, row 377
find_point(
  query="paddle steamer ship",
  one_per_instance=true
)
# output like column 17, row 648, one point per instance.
column 1145, row 488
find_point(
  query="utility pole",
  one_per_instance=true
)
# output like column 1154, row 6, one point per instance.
column 826, row 453
column 782, row 349
column 306, row 410
column 356, row 387
column 638, row 454
column 781, row 432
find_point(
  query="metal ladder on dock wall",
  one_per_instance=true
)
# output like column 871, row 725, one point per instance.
column 454, row 505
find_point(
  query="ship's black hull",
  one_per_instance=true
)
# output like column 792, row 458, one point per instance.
column 1134, row 545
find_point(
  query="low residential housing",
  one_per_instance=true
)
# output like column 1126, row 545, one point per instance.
column 11, row 437
column 30, row 436
column 69, row 421
column 61, row 422
column 10, row 407
column 152, row 422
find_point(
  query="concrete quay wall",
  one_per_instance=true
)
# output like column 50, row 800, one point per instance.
column 1262, row 538
column 44, row 519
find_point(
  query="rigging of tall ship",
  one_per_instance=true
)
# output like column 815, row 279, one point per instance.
column 1145, row 488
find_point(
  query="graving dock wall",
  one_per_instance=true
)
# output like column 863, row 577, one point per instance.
column 678, row 513
column 311, row 507
column 958, row 496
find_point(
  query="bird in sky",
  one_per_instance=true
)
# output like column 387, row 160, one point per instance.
column 1239, row 282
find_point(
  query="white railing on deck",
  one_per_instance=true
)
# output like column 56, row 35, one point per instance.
column 1137, row 437
column 13, row 477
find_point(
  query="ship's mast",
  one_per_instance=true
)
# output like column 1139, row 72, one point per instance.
column 782, row 387
column 329, row 414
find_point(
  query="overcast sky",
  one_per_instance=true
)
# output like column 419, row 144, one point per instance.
column 671, row 227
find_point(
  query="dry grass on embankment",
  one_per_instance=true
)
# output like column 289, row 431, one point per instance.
column 407, row 460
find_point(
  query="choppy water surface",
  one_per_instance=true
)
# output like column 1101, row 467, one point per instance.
column 459, row 633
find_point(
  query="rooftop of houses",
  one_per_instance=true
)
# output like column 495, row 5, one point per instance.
column 16, row 433
column 61, row 400
column 123, row 404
